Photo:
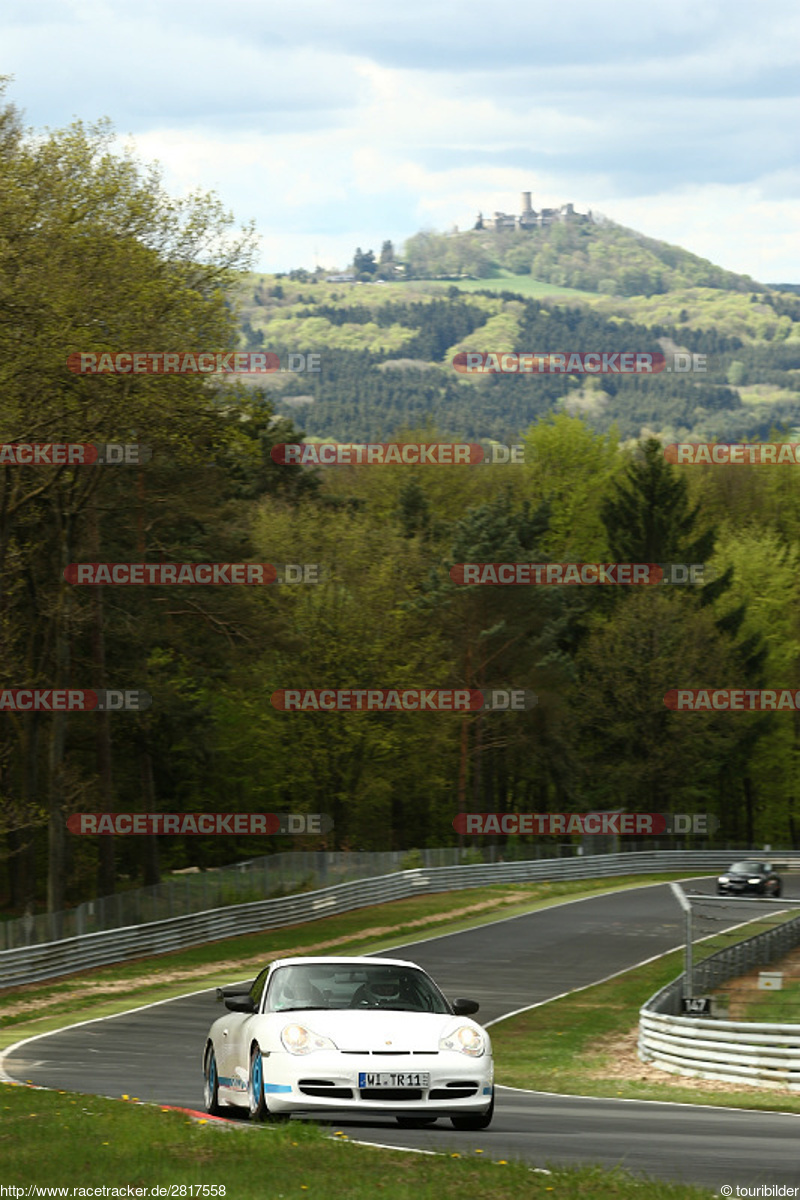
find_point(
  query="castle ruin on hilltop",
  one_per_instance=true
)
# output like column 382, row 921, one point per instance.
column 529, row 218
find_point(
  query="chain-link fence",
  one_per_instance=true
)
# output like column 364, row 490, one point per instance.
column 734, row 1013
column 289, row 873
column 742, row 957
column 273, row 875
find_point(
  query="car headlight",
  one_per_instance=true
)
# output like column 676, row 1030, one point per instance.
column 297, row 1039
column 723, row 879
column 466, row 1040
column 755, row 879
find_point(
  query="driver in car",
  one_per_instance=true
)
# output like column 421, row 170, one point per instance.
column 383, row 992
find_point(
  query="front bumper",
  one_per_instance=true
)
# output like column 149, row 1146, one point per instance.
column 741, row 889
column 330, row 1081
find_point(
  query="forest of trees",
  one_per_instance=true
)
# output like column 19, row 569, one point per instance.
column 592, row 257
column 389, row 364
column 94, row 256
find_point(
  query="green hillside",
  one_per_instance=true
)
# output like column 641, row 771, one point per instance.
column 595, row 257
column 386, row 354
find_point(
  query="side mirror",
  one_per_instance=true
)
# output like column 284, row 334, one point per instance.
column 234, row 989
column 465, row 1008
column 243, row 1004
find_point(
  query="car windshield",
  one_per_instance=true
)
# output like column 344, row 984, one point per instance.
column 747, row 868
column 346, row 985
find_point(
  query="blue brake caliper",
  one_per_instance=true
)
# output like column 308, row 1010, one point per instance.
column 257, row 1086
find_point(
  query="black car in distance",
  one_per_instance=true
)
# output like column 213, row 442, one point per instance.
column 749, row 878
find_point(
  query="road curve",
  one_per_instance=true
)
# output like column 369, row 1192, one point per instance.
column 153, row 1053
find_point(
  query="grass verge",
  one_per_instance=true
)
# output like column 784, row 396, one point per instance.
column 60, row 1139
column 575, row 1045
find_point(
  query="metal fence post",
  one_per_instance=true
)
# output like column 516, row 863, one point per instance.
column 688, row 966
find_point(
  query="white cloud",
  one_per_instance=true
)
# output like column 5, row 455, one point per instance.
column 741, row 228
column 338, row 125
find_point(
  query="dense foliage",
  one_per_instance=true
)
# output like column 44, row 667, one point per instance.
column 593, row 256
column 386, row 363
column 94, row 256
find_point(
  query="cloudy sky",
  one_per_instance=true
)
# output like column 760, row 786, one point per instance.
column 336, row 123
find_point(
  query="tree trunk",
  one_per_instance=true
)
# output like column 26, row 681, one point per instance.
column 152, row 870
column 56, row 833
column 462, row 774
column 151, row 865
column 749, row 807
column 464, row 750
column 106, row 874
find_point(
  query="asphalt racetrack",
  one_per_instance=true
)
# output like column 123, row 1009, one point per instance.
column 154, row 1053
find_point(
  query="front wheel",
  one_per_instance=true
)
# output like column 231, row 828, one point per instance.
column 255, row 1086
column 211, row 1083
column 474, row 1120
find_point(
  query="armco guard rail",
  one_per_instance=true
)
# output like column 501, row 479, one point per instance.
column 48, row 960
column 758, row 1053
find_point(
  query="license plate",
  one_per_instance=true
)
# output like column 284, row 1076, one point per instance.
column 394, row 1079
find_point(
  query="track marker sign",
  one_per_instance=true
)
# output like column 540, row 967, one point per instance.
column 697, row 1006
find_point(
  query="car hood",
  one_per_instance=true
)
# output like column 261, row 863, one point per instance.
column 377, row 1029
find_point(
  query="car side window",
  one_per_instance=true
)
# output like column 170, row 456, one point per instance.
column 257, row 988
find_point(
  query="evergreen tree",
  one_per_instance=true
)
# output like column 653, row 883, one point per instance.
column 364, row 263
column 648, row 517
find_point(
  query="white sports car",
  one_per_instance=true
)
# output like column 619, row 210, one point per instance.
column 337, row 1035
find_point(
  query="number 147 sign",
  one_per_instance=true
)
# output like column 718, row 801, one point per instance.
column 697, row 1006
